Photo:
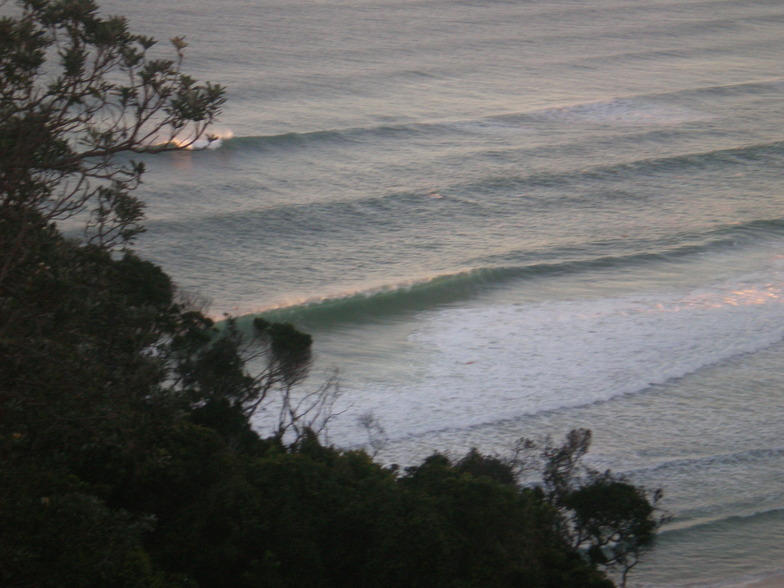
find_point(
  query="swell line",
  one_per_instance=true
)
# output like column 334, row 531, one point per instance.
column 605, row 108
column 487, row 196
column 506, row 190
column 760, row 153
column 332, row 136
column 692, row 463
column 417, row 295
column 718, row 523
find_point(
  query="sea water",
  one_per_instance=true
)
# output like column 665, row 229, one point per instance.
column 510, row 218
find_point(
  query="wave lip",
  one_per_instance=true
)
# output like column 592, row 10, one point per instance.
column 376, row 302
column 713, row 523
column 418, row 294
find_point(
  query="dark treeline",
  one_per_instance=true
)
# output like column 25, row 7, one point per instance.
column 126, row 447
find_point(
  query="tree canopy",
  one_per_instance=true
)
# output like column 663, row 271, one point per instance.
column 78, row 91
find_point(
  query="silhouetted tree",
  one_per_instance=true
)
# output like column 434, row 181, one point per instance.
column 78, row 91
column 609, row 519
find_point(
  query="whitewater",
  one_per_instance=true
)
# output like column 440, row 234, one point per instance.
column 510, row 218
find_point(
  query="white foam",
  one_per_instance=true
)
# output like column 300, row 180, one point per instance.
column 484, row 364
column 624, row 111
column 211, row 140
column 613, row 111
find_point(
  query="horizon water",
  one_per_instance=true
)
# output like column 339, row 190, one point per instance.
column 510, row 218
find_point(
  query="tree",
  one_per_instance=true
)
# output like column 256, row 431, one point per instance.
column 78, row 91
column 208, row 366
column 613, row 522
column 79, row 96
column 82, row 400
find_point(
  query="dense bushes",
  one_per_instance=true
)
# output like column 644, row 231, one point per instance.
column 129, row 459
column 120, row 471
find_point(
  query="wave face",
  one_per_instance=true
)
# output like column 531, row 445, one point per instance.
column 507, row 218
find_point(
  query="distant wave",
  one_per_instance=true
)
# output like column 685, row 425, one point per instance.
column 758, row 154
column 520, row 188
column 719, row 524
column 732, row 89
column 660, row 470
column 332, row 136
column 641, row 109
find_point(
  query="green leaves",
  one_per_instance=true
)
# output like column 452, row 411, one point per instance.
column 103, row 93
column 613, row 522
column 108, row 33
column 179, row 44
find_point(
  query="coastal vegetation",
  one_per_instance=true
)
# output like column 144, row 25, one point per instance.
column 127, row 451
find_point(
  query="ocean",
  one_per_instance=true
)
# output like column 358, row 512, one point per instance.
column 510, row 218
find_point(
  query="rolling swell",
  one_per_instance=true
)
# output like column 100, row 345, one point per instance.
column 487, row 197
column 722, row 524
column 519, row 190
column 687, row 466
column 613, row 108
column 760, row 154
column 417, row 295
column 743, row 155
column 327, row 136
